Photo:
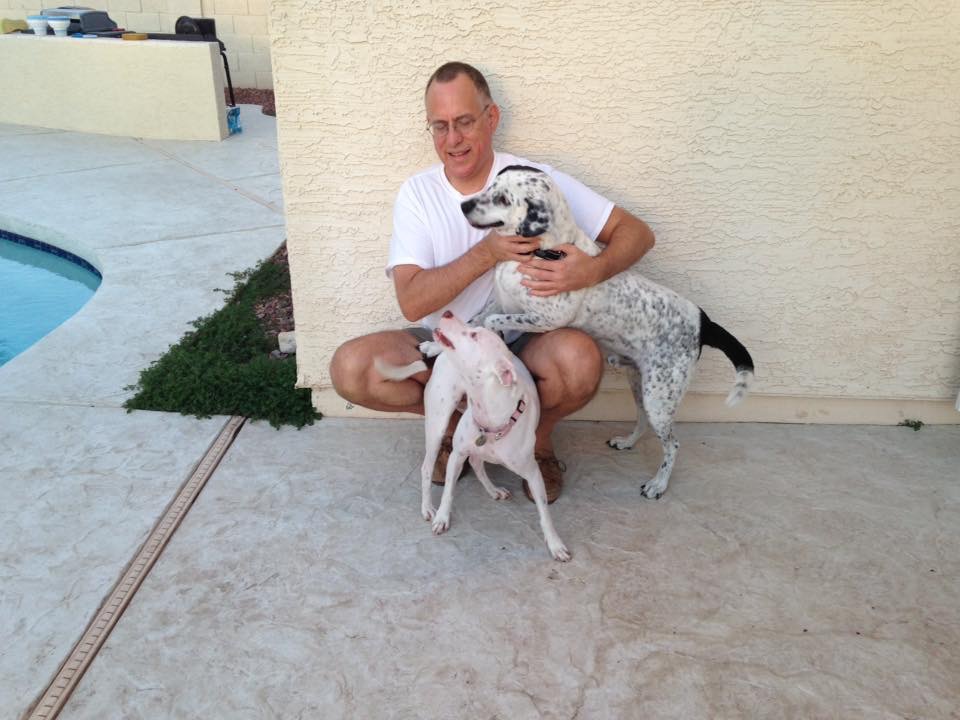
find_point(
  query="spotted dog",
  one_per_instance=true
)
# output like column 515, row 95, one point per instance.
column 657, row 334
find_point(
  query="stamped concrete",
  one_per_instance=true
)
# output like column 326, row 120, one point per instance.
column 789, row 572
column 81, row 489
column 82, row 482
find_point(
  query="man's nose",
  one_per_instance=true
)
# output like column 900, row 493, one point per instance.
column 467, row 205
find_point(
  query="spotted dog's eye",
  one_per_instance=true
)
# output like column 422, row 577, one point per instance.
column 501, row 200
column 473, row 336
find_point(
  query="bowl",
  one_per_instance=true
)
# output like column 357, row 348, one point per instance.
column 59, row 25
column 37, row 23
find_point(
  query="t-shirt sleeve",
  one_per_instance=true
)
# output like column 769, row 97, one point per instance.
column 590, row 209
column 410, row 243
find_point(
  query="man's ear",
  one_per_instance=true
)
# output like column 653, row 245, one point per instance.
column 537, row 220
column 505, row 371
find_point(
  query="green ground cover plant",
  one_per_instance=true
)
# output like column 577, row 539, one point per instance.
column 224, row 365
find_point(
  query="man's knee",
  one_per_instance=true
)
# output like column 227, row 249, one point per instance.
column 348, row 369
column 568, row 361
column 580, row 364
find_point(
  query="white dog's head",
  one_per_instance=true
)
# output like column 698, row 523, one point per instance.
column 521, row 201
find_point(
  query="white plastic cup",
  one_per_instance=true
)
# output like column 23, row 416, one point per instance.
column 59, row 25
column 38, row 23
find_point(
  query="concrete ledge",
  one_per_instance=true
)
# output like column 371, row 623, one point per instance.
column 615, row 404
column 149, row 88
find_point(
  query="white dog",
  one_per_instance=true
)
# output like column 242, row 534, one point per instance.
column 498, row 424
column 657, row 333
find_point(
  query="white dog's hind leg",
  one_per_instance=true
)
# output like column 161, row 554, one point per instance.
column 494, row 491
column 531, row 473
column 621, row 442
column 441, row 522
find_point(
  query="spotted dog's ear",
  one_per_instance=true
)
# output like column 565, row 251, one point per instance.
column 537, row 220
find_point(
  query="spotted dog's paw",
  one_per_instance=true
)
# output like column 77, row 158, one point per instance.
column 428, row 511
column 654, row 489
column 430, row 348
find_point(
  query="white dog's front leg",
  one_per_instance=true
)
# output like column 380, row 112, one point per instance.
column 440, row 397
column 534, row 479
column 454, row 465
column 527, row 322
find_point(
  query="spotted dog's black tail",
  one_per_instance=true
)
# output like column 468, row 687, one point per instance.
column 715, row 336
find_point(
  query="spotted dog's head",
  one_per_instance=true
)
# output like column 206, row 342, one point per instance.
column 518, row 203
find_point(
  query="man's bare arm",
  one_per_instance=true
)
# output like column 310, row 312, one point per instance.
column 421, row 292
column 627, row 239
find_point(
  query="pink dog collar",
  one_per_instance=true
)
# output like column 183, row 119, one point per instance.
column 496, row 433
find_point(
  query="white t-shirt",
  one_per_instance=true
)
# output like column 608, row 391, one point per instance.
column 430, row 230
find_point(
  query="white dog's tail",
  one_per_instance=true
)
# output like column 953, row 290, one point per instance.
column 398, row 372
column 715, row 336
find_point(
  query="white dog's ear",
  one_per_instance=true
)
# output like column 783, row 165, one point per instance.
column 505, row 371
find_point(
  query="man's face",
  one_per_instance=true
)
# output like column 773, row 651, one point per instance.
column 467, row 155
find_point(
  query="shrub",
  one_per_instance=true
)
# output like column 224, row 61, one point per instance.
column 223, row 366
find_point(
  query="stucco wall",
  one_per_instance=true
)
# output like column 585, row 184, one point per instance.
column 799, row 163
column 241, row 25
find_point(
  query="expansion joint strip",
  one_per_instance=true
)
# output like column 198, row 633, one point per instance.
column 53, row 699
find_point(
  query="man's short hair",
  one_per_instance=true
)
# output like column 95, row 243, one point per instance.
column 449, row 71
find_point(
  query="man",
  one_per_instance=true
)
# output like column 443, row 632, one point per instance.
column 439, row 262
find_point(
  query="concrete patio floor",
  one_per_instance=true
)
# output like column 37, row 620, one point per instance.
column 790, row 571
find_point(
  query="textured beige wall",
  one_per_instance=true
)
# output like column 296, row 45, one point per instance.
column 799, row 163
column 148, row 89
column 241, row 25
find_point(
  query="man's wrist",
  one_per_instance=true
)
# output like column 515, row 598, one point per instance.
column 599, row 269
column 481, row 251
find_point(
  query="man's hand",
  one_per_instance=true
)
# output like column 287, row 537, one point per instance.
column 550, row 277
column 510, row 247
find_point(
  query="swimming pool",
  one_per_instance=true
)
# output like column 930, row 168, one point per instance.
column 40, row 287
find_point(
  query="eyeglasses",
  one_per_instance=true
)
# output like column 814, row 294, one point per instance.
column 463, row 124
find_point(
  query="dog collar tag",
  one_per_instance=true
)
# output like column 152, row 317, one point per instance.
column 481, row 440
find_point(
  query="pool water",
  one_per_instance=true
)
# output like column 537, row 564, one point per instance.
column 38, row 292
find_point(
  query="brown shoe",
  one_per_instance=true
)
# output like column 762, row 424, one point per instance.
column 552, row 470
column 440, row 467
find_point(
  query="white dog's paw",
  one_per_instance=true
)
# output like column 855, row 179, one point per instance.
column 430, row 348
column 654, row 489
column 441, row 523
column 500, row 493
column 560, row 552
column 622, row 442
column 428, row 511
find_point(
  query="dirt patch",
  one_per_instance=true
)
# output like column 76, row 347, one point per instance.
column 275, row 313
column 252, row 96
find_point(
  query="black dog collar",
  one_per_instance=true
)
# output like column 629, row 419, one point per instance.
column 548, row 254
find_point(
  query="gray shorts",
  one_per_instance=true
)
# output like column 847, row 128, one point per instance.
column 516, row 347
